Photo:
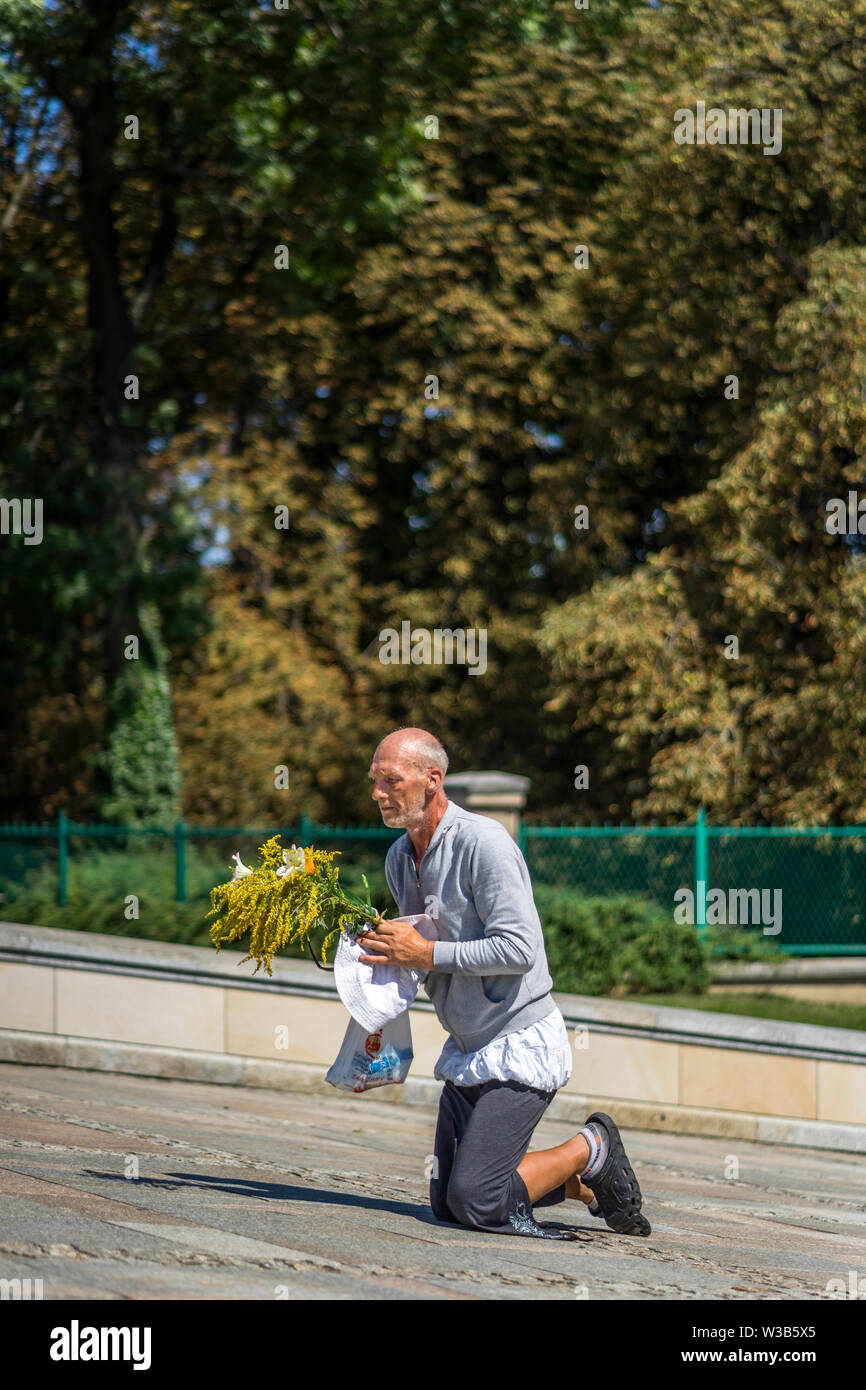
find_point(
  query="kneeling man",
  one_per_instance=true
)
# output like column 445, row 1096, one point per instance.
column 488, row 979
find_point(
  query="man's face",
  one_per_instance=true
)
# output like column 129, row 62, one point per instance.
column 400, row 791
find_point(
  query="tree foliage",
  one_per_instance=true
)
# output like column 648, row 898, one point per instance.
column 427, row 392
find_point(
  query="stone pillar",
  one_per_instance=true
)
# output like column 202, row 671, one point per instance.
column 500, row 795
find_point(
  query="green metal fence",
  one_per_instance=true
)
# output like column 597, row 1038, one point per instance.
column 820, row 871
column 31, row 852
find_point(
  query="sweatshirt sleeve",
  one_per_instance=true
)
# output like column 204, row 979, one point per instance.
column 503, row 900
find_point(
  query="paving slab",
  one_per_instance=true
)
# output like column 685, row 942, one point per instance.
column 128, row 1187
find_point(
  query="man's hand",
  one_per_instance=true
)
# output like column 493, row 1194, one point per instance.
column 398, row 943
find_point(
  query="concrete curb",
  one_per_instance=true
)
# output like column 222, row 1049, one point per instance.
column 178, row 1064
column 811, row 970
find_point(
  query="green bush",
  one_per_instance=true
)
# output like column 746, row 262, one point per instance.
column 618, row 945
column 726, row 943
column 158, row 920
column 99, row 884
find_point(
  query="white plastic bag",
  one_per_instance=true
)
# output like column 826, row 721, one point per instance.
column 376, row 994
column 369, row 1059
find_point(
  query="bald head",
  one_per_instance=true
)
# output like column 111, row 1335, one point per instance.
column 416, row 747
column 407, row 771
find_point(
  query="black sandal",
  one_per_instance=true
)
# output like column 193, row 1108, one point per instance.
column 616, row 1188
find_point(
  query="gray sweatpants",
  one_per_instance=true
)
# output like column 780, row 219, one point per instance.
column 482, row 1133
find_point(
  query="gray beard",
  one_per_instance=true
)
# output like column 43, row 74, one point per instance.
column 404, row 820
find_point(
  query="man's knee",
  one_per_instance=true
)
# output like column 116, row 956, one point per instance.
column 475, row 1205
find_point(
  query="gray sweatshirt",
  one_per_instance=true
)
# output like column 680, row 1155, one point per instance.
column 490, row 973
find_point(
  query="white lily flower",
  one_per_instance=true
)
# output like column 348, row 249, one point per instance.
column 240, row 869
column 293, row 861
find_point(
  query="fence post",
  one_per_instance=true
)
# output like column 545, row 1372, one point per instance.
column 306, row 829
column 701, row 872
column 180, row 862
column 62, row 856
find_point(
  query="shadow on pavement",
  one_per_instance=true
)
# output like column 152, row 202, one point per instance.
column 272, row 1192
column 286, row 1192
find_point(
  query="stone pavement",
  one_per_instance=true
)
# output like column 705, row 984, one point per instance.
column 117, row 1187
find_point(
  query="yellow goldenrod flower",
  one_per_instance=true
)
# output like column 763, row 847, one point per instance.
column 290, row 894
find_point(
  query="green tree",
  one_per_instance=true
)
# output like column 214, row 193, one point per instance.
column 152, row 159
column 718, row 261
column 141, row 760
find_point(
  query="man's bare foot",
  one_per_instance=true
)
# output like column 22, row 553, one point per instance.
column 578, row 1190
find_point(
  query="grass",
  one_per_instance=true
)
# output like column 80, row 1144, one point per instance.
column 777, row 1006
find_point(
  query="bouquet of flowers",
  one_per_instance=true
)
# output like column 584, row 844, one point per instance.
column 292, row 893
